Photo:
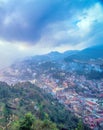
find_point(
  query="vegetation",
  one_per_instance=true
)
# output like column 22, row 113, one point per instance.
column 29, row 122
column 17, row 100
column 95, row 75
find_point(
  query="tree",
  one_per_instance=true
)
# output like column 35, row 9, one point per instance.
column 30, row 123
column 44, row 125
column 7, row 114
column 27, row 122
column 80, row 126
column 15, row 125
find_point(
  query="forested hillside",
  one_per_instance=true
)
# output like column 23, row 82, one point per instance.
column 17, row 100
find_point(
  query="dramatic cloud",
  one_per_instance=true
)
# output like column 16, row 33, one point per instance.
column 30, row 27
column 26, row 20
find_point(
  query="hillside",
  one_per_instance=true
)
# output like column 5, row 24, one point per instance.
column 52, row 56
column 25, row 97
column 74, row 82
column 94, row 52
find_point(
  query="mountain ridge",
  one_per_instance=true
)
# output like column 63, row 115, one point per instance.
column 93, row 52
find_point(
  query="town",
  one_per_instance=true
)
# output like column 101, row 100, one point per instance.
column 80, row 95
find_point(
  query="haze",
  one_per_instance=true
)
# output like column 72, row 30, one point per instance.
column 31, row 27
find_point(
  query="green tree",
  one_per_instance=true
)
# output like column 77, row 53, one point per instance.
column 30, row 123
column 44, row 125
column 48, row 125
column 27, row 122
column 7, row 114
column 80, row 126
column 15, row 126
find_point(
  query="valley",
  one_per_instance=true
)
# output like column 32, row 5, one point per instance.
column 75, row 83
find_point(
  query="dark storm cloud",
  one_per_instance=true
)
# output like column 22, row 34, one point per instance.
column 27, row 20
column 31, row 27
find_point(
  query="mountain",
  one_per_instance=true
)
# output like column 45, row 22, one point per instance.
column 71, row 84
column 17, row 100
column 68, row 53
column 54, row 62
column 94, row 52
column 52, row 56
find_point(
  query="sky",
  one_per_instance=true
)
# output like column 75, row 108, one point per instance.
column 31, row 27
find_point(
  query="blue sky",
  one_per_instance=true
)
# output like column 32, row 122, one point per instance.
column 30, row 27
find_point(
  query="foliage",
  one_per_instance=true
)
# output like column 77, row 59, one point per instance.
column 30, row 123
column 26, row 123
column 80, row 126
column 28, row 97
column 7, row 114
column 44, row 125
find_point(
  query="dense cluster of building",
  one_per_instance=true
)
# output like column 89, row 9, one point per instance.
column 80, row 95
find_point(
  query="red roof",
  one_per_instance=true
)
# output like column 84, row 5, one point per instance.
column 91, row 103
column 99, row 120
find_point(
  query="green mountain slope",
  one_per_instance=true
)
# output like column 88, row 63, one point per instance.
column 26, row 97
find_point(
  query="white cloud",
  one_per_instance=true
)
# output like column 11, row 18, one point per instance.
column 90, row 17
column 9, row 53
column 59, row 35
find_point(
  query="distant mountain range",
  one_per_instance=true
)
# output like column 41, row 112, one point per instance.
column 85, row 55
column 94, row 52
column 52, row 56
column 54, row 62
